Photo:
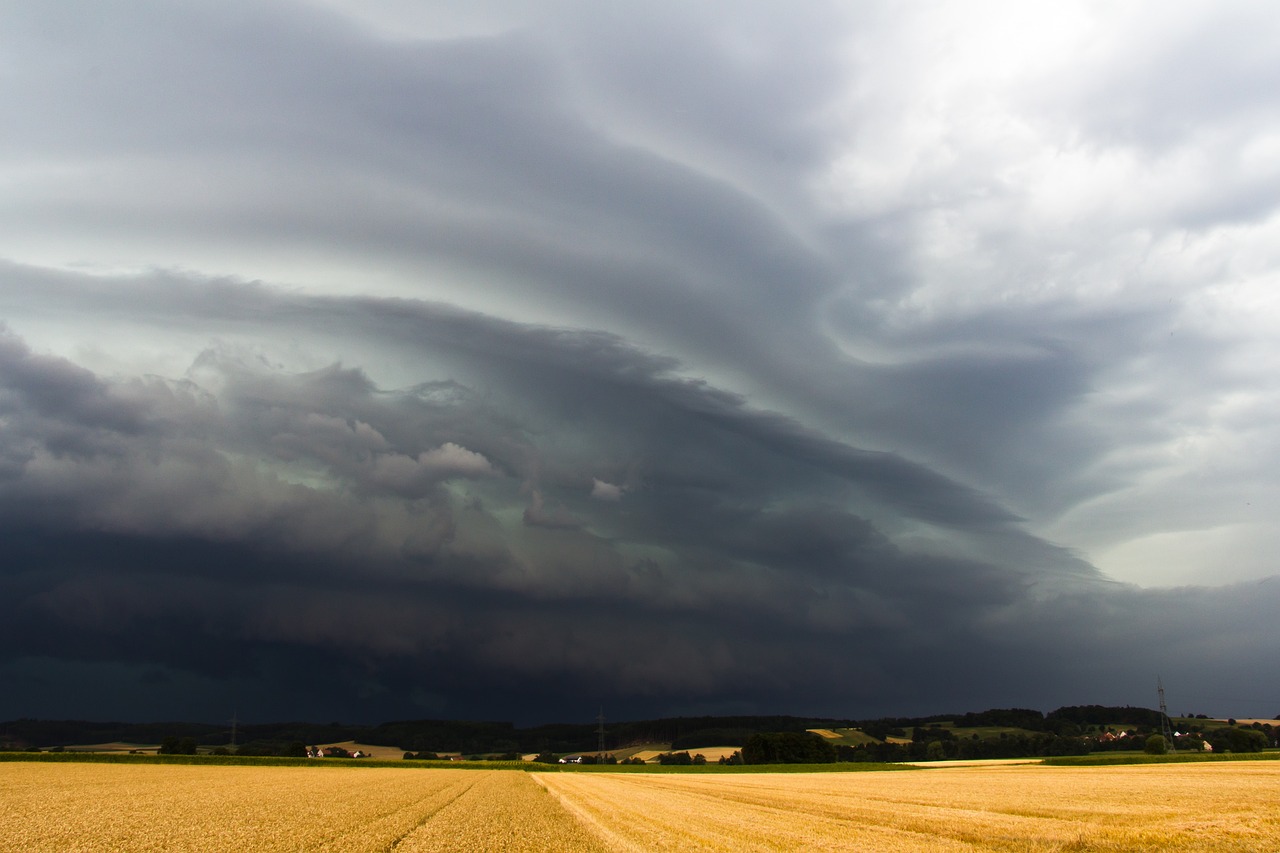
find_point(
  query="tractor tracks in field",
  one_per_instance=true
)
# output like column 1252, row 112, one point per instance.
column 446, row 798
column 593, row 825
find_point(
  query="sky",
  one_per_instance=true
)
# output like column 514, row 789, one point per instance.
column 386, row 360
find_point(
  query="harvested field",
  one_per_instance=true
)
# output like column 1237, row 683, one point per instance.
column 714, row 753
column 826, row 733
column 1185, row 807
column 95, row 807
column 68, row 806
column 114, row 746
column 711, row 753
column 379, row 753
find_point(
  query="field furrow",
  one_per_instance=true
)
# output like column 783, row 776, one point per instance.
column 504, row 811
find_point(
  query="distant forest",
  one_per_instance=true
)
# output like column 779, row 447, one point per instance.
column 1008, row 732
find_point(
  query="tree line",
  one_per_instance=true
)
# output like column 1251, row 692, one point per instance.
column 1065, row 731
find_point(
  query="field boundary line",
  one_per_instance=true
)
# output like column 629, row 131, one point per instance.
column 619, row 841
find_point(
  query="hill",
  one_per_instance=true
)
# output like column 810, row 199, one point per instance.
column 993, row 733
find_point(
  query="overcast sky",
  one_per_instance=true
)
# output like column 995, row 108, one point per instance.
column 371, row 360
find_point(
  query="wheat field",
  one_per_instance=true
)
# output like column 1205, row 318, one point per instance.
column 139, row 807
column 1173, row 807
column 70, row 807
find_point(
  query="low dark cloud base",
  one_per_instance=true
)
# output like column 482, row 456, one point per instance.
column 311, row 544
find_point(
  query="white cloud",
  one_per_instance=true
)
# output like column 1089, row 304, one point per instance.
column 600, row 490
column 404, row 473
column 1234, row 553
column 452, row 460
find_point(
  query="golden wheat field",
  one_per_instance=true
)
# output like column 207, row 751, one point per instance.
column 1180, row 807
column 111, row 807
column 105, row 807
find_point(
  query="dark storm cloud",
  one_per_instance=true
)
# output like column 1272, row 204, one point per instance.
column 703, row 357
column 445, row 536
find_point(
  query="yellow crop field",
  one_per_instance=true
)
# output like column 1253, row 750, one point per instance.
column 143, row 807
column 1179, row 807
column 110, row 807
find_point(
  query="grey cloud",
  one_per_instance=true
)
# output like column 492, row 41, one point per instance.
column 55, row 390
column 765, row 557
column 564, row 354
column 1213, row 67
column 537, row 514
column 545, row 650
column 484, row 166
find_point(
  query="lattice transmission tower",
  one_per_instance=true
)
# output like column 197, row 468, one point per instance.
column 600, row 735
column 1166, row 725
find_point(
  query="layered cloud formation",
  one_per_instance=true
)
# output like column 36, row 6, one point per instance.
column 386, row 361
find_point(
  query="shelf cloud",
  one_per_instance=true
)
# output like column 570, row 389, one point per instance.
column 371, row 361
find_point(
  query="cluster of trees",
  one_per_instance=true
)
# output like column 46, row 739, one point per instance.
column 1233, row 739
column 1077, row 730
column 1014, row 718
column 1225, row 739
column 936, row 744
column 1069, row 720
column 787, row 748
column 682, row 759
column 45, row 733
column 1084, row 716
column 174, row 745
column 288, row 749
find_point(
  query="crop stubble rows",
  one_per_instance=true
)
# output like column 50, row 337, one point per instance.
column 1221, row 807
column 82, row 807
